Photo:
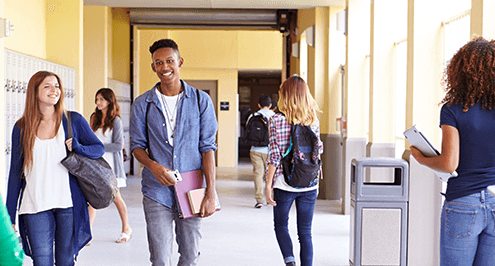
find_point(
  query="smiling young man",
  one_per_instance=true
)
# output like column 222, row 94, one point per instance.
column 171, row 128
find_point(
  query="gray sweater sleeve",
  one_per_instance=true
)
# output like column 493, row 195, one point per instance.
column 117, row 137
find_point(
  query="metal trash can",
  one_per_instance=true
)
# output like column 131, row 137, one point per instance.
column 379, row 213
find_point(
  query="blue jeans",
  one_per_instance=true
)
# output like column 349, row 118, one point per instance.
column 43, row 228
column 467, row 234
column 305, row 206
column 159, row 225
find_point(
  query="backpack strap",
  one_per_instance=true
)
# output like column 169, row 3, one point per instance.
column 290, row 143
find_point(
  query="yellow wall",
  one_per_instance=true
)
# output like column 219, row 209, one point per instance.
column 227, row 92
column 336, row 57
column 64, row 39
column 357, row 68
column 260, row 50
column 28, row 17
column 120, row 46
column 145, row 38
column 482, row 19
column 95, row 54
column 383, row 66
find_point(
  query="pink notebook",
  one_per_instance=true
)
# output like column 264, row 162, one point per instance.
column 190, row 180
column 196, row 198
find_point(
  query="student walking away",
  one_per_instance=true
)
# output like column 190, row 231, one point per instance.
column 294, row 166
column 53, row 213
column 173, row 127
column 107, row 125
column 467, row 120
column 257, row 137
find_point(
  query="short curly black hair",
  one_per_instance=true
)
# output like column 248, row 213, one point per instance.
column 164, row 43
column 470, row 76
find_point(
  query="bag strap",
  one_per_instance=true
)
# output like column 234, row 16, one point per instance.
column 69, row 124
column 290, row 141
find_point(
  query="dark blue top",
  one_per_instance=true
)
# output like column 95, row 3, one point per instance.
column 476, row 168
column 195, row 133
column 84, row 143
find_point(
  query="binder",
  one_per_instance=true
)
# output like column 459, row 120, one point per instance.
column 190, row 180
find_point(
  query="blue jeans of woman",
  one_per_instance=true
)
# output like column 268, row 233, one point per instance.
column 305, row 206
column 45, row 228
column 468, row 231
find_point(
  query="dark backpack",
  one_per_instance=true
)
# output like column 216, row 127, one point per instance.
column 300, row 163
column 257, row 131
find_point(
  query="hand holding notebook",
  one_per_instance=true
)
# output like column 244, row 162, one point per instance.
column 196, row 196
column 420, row 142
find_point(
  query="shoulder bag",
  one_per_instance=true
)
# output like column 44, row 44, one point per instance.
column 95, row 176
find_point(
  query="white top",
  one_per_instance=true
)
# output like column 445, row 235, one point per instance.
column 281, row 184
column 106, row 138
column 170, row 104
column 47, row 184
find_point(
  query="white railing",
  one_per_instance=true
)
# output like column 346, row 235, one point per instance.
column 457, row 31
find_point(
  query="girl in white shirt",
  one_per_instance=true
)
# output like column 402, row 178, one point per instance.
column 107, row 125
column 52, row 206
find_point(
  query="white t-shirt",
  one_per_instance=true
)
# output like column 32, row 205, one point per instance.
column 170, row 114
column 47, row 184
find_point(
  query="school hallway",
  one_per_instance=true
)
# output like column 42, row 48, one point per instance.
column 238, row 235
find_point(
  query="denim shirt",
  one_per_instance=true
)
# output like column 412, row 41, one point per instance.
column 195, row 133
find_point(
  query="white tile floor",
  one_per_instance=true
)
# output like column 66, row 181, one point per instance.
column 238, row 235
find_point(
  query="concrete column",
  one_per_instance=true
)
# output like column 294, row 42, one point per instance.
column 357, row 89
column 96, row 61
column 332, row 103
column 383, row 75
column 64, row 39
column 482, row 19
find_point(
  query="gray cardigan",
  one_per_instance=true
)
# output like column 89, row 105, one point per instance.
column 116, row 147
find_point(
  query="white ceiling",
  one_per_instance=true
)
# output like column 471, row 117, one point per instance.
column 217, row 4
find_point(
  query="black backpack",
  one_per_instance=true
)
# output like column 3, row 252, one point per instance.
column 257, row 131
column 300, row 163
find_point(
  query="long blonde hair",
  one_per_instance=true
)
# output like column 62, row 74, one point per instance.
column 297, row 103
column 31, row 118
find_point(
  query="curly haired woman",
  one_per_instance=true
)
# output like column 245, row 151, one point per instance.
column 467, row 120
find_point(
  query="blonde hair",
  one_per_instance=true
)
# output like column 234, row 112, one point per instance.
column 32, row 116
column 297, row 103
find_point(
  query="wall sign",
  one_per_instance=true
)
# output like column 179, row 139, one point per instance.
column 224, row 106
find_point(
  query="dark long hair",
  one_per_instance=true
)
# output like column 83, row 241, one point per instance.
column 470, row 76
column 112, row 111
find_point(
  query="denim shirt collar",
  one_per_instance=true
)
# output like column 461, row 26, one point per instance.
column 152, row 98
